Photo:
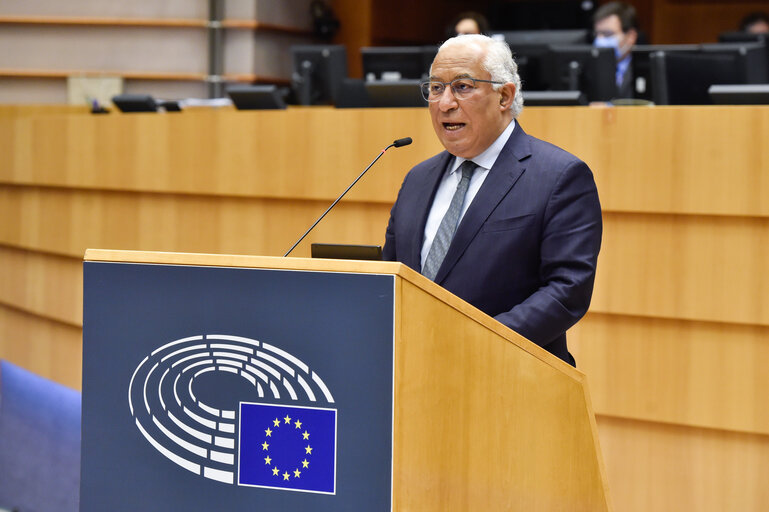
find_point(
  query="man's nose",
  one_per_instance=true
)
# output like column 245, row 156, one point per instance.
column 447, row 100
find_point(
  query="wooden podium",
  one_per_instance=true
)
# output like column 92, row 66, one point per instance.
column 482, row 419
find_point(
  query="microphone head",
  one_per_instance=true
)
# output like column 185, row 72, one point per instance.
column 405, row 141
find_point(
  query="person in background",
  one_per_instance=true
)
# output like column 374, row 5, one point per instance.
column 503, row 220
column 755, row 23
column 615, row 26
column 468, row 22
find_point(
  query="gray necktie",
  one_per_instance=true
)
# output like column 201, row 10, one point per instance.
column 448, row 226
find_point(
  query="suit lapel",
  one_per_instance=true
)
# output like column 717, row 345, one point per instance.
column 502, row 176
column 430, row 182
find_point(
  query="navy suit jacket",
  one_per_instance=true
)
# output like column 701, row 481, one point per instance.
column 525, row 251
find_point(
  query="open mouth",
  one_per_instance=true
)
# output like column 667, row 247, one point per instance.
column 453, row 126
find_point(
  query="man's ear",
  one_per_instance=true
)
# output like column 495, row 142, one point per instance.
column 506, row 96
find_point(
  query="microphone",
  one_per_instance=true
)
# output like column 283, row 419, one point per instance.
column 405, row 141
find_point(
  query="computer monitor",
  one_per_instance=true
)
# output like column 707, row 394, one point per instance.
column 401, row 93
column 428, row 56
column 531, row 49
column 745, row 37
column 545, row 37
column 346, row 251
column 397, row 62
column 135, row 103
column 584, row 68
column 553, row 98
column 256, row 97
column 752, row 58
column 685, row 78
column 640, row 66
column 744, row 94
column 742, row 37
column 318, row 72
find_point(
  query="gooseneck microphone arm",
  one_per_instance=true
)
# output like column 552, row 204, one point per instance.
column 398, row 143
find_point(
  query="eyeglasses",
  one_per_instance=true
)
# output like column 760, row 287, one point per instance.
column 462, row 88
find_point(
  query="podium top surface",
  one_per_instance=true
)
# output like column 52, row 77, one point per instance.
column 246, row 261
column 330, row 265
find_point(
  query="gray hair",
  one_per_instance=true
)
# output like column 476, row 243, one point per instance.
column 499, row 63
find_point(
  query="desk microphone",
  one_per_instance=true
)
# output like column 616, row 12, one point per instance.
column 405, row 141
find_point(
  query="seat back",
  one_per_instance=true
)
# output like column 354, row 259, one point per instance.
column 39, row 442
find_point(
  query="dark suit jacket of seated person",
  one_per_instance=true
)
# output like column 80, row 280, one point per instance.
column 526, row 247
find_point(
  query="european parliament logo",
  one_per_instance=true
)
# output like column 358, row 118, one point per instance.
column 245, row 442
column 283, row 447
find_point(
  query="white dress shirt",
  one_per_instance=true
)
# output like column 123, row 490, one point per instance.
column 449, row 182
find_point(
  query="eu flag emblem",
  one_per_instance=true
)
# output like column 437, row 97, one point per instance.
column 284, row 447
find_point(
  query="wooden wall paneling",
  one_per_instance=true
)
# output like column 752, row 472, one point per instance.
column 686, row 267
column 699, row 21
column 10, row 112
column 689, row 267
column 45, row 285
column 704, row 374
column 67, row 222
column 234, row 153
column 355, row 30
column 402, row 22
column 45, row 347
column 654, row 466
column 661, row 160
column 667, row 159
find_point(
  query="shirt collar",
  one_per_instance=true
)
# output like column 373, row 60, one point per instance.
column 489, row 156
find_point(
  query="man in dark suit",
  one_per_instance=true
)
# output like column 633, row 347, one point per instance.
column 517, row 230
column 616, row 26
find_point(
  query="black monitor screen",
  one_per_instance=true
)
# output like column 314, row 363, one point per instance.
column 135, row 103
column 397, row 62
column 752, row 59
column 742, row 37
column 531, row 49
column 640, row 66
column 256, row 97
column 318, row 72
column 401, row 93
column 584, row 68
column 545, row 37
column 684, row 78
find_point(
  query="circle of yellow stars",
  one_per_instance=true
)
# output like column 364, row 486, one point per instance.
column 296, row 473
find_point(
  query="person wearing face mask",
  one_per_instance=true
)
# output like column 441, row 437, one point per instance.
column 615, row 26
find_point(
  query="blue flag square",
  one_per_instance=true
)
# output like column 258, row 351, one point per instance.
column 285, row 447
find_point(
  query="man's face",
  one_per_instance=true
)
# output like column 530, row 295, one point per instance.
column 611, row 27
column 759, row 27
column 468, row 126
column 467, row 26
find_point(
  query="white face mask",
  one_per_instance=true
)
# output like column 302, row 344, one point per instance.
column 609, row 42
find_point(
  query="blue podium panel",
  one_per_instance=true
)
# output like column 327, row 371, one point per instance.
column 209, row 388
